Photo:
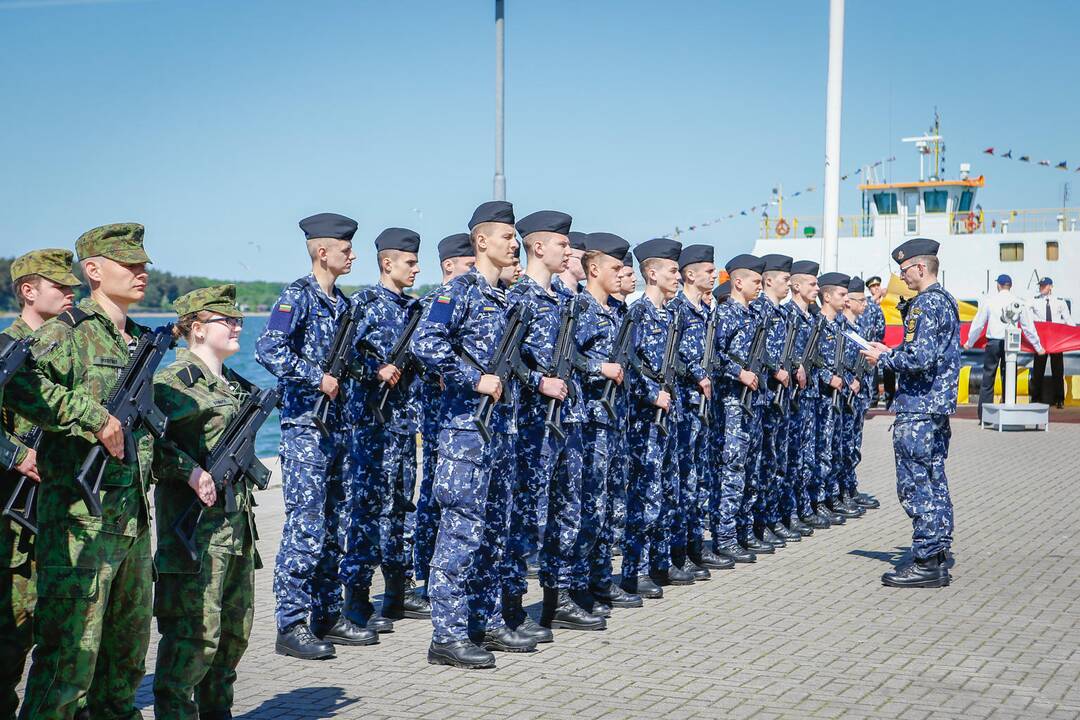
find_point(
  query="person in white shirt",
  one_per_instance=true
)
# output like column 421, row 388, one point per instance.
column 1048, row 307
column 997, row 313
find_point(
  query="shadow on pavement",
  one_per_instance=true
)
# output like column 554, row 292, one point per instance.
column 893, row 558
column 314, row 702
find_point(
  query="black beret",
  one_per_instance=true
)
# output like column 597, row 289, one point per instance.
column 607, row 243
column 694, row 254
column 628, row 261
column 658, row 248
column 777, row 262
column 745, row 262
column 456, row 245
column 856, row 284
column 498, row 211
column 721, row 290
column 915, row 247
column 328, row 225
column 577, row 239
column 873, row 281
column 398, row 239
column 804, row 267
column 544, row 221
column 833, row 278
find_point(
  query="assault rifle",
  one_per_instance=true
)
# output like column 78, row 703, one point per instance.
column 837, row 366
column 563, row 363
column 755, row 361
column 338, row 361
column 24, row 511
column 505, row 362
column 620, row 354
column 13, row 353
column 399, row 357
column 787, row 364
column 669, row 366
column 707, row 358
column 809, row 360
column 132, row 403
column 232, row 459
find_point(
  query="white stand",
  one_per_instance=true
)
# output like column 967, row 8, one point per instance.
column 1008, row 414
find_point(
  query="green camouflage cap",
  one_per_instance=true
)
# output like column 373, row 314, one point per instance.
column 53, row 264
column 220, row 299
column 122, row 242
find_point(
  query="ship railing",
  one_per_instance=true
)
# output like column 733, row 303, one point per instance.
column 812, row 226
column 979, row 221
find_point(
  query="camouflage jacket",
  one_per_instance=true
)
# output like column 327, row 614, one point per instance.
column 13, row 428
column 199, row 414
column 78, row 358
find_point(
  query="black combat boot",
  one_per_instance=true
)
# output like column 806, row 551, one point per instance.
column 751, row 543
column 867, row 501
column 560, row 611
column 829, row 516
column 298, row 642
column 359, row 609
column 460, row 653
column 928, row 573
column 679, row 561
column 519, row 620
column 839, row 507
column 735, row 552
column 616, row 597
column 343, row 631
column 795, row 524
column 781, row 531
column 506, row 640
column 587, row 601
column 642, row 586
column 672, row 576
column 816, row 521
column 393, row 604
column 706, row 558
column 417, row 604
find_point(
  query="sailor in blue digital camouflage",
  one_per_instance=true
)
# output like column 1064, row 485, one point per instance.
column 456, row 340
column 709, row 497
column 734, row 338
column 927, row 368
column 455, row 258
column 873, row 322
column 294, row 346
column 620, row 467
column 44, row 287
column 859, row 396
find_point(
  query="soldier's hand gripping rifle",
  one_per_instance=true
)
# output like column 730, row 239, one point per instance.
column 837, row 367
column 21, row 506
column 505, row 362
column 338, row 361
column 787, row 364
column 809, row 360
column 231, row 460
column 858, row 371
column 707, row 359
column 669, row 367
column 620, row 355
column 132, row 403
column 563, row 364
column 399, row 357
column 13, row 353
column 755, row 361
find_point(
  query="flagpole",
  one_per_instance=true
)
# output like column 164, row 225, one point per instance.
column 500, row 98
column 833, row 104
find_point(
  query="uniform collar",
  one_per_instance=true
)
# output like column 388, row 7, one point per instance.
column 89, row 305
column 185, row 355
column 20, row 328
column 332, row 303
column 399, row 298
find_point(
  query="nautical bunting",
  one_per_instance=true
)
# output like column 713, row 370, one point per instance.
column 1007, row 155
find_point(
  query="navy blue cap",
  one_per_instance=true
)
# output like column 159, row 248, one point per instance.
column 721, row 290
column 804, row 267
column 694, row 254
column 1046, row 281
column 577, row 239
column 777, row 262
column 873, row 281
column 833, row 278
column 658, row 248
column 628, row 261
column 398, row 239
column 328, row 225
column 915, row 247
column 498, row 211
column 544, row 221
column 745, row 262
column 607, row 243
column 1004, row 279
column 856, row 284
column 456, row 245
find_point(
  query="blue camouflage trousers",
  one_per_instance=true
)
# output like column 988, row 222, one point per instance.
column 772, row 466
column 752, row 487
column 853, row 438
column 802, row 436
column 464, row 547
column 646, row 540
column 691, row 452
column 558, row 551
column 589, row 553
column 484, row 585
column 369, row 488
column 822, row 468
column 613, row 518
column 533, row 464
column 399, row 473
column 716, row 462
column 732, row 475
column 427, row 510
column 306, row 573
column 921, row 445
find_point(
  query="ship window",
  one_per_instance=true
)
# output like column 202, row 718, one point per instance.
column 1011, row 252
column 1051, row 249
column 935, row 200
column 965, row 201
column 911, row 205
column 886, row 203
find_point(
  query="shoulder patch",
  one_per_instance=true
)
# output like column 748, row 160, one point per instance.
column 442, row 309
column 189, row 375
column 72, row 317
column 281, row 318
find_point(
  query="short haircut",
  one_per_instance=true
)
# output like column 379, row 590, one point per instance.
column 772, row 274
column 313, row 246
column 590, row 256
column 32, row 279
column 742, row 274
column 828, row 290
column 646, row 265
column 932, row 264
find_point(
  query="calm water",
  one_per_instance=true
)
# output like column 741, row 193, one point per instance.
column 243, row 362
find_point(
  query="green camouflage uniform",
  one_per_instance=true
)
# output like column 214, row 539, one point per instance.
column 18, row 593
column 95, row 574
column 204, row 607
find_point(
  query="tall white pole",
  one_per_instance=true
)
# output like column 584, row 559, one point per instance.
column 500, row 83
column 834, row 91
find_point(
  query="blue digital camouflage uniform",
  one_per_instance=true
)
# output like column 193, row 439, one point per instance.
column 751, row 509
column 778, row 505
column 380, row 456
column 293, row 346
column 927, row 370
column 773, row 419
column 734, row 332
column 466, row 319
column 652, row 477
column 691, row 442
column 855, row 410
column 427, row 394
column 872, row 322
column 825, row 418
column 803, row 431
column 620, row 464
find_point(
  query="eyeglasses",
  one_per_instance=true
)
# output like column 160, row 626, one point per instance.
column 904, row 270
column 232, row 322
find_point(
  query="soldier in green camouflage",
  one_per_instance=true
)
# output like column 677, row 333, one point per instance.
column 204, row 607
column 44, row 287
column 94, row 574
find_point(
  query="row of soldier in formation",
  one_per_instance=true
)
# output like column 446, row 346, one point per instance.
column 554, row 420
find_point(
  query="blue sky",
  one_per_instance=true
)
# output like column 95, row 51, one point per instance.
column 220, row 123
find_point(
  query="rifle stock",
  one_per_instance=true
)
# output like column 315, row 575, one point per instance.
column 504, row 362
